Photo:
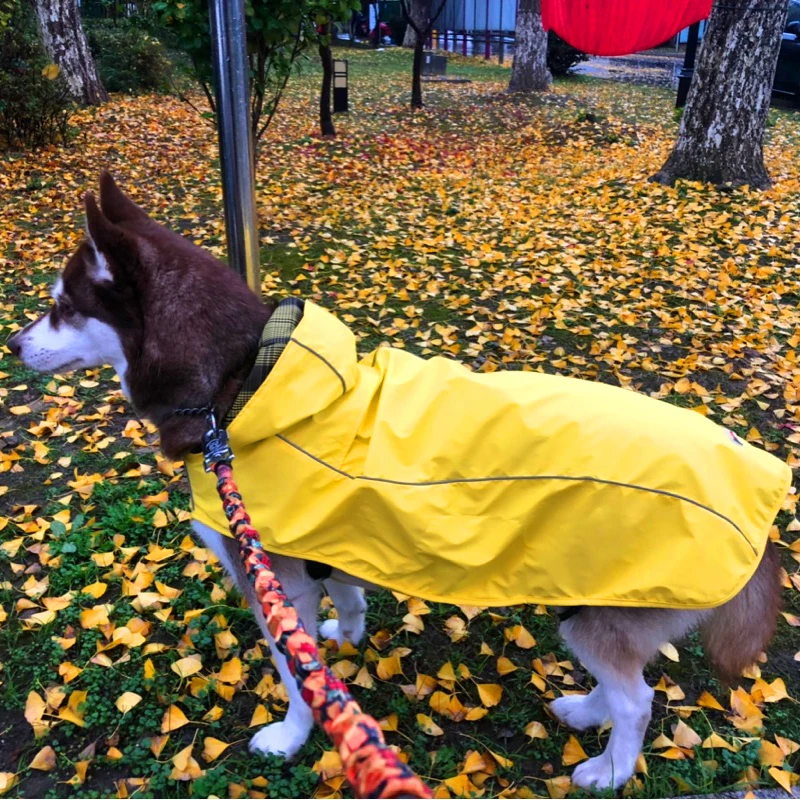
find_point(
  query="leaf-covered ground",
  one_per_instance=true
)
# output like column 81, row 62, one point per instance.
column 507, row 232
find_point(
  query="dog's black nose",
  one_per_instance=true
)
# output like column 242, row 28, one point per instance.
column 14, row 346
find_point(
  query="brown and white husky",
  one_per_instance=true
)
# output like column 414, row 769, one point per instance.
column 181, row 330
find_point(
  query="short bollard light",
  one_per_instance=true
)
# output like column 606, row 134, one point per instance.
column 340, row 86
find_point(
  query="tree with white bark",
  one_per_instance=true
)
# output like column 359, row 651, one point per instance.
column 529, row 72
column 721, row 136
column 62, row 35
column 419, row 11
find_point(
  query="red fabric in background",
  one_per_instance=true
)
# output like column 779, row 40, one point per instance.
column 618, row 27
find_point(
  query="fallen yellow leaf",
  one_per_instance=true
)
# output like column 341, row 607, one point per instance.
column 127, row 700
column 184, row 667
column 44, row 760
column 428, row 725
column 490, row 693
column 573, row 752
column 173, row 719
column 213, row 748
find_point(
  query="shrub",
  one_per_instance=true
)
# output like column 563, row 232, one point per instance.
column 562, row 57
column 128, row 58
column 35, row 105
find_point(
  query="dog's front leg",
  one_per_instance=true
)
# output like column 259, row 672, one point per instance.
column 289, row 735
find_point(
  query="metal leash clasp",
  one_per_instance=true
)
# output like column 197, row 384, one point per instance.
column 216, row 446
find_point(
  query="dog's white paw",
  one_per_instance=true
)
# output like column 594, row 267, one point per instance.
column 579, row 711
column 279, row 739
column 330, row 630
column 600, row 773
column 342, row 631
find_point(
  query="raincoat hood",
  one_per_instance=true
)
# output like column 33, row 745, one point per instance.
column 492, row 489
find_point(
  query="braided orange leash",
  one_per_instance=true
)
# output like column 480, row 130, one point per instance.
column 372, row 768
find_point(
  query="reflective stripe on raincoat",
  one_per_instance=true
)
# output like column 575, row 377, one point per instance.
column 493, row 489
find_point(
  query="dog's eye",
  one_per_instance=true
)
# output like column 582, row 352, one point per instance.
column 62, row 310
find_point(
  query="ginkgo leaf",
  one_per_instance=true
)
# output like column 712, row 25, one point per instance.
column 684, row 736
column 94, row 617
column 439, row 702
column 505, row 666
column 185, row 667
column 44, row 760
column 260, row 716
column 784, row 778
column 709, row 701
column 716, row 741
column 672, row 753
column 787, row 746
column 670, row 651
column 157, row 744
column 34, row 707
column 8, row 780
column 185, row 766
column 231, row 671
column 388, row 667
column 536, row 730
column 389, row 723
column 558, row 787
column 573, row 752
column 490, row 693
column 504, row 762
column 428, row 725
column 461, row 786
column 474, row 762
column 173, row 719
column 770, row 755
column 364, row 679
column 213, row 748
column 127, row 700
column 96, row 589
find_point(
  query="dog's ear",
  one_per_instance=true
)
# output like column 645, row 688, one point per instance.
column 110, row 248
column 117, row 206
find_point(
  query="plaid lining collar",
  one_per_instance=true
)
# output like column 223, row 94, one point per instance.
column 274, row 338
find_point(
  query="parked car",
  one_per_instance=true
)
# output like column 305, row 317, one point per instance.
column 787, row 75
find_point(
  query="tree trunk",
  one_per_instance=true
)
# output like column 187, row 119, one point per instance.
column 62, row 36
column 529, row 72
column 325, row 119
column 419, row 13
column 721, row 137
column 416, row 75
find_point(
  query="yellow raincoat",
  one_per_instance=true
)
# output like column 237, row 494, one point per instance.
column 493, row 489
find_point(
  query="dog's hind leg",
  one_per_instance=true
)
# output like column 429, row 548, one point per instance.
column 582, row 711
column 629, row 701
column 351, row 610
column 608, row 651
column 615, row 644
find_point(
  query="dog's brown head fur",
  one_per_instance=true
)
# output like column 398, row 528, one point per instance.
column 187, row 326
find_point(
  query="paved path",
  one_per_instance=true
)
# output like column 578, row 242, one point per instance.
column 644, row 68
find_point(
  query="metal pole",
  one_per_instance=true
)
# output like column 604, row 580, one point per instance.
column 685, row 75
column 231, row 74
column 486, row 49
column 502, row 35
column 474, row 25
column 464, row 25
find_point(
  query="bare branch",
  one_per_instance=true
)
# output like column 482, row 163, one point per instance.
column 279, row 94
